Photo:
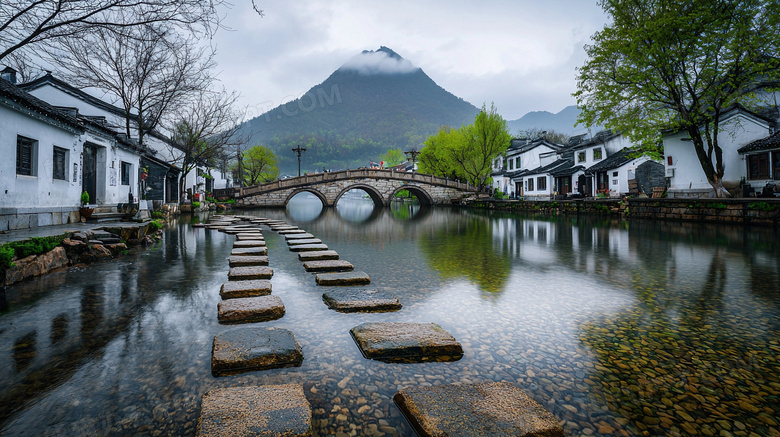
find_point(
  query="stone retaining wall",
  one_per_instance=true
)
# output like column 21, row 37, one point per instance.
column 747, row 211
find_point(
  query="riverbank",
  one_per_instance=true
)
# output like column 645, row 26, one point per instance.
column 765, row 212
column 25, row 255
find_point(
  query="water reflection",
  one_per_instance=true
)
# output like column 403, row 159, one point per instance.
column 617, row 329
column 356, row 206
column 305, row 207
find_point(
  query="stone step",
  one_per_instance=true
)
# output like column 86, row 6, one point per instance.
column 318, row 255
column 250, row 309
column 292, row 232
column 249, row 251
column 348, row 278
column 308, row 247
column 255, row 236
column 361, row 300
column 406, row 342
column 475, row 410
column 249, row 273
column 304, row 241
column 249, row 243
column 247, row 261
column 302, row 236
column 247, row 349
column 250, row 288
column 270, row 410
column 328, row 266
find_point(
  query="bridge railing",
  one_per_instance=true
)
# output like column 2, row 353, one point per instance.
column 352, row 174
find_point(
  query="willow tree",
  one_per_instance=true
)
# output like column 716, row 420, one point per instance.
column 678, row 65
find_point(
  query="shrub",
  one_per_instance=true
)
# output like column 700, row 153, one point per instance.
column 84, row 198
column 762, row 206
column 230, row 201
column 196, row 204
column 498, row 195
column 23, row 249
column 158, row 215
column 6, row 257
column 157, row 224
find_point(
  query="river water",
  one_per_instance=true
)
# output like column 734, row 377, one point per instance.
column 636, row 328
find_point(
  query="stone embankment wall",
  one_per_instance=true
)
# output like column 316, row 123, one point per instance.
column 747, row 211
column 78, row 248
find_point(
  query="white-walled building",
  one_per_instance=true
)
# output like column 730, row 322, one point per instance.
column 522, row 155
column 739, row 127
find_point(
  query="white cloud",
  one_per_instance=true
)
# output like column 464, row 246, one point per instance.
column 379, row 62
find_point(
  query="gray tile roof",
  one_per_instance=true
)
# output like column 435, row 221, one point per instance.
column 770, row 142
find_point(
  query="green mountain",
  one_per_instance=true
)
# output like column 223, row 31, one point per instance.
column 374, row 102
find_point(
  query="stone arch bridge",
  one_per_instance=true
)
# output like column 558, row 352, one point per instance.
column 381, row 186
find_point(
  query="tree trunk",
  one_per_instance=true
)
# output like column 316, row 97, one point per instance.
column 720, row 191
column 713, row 172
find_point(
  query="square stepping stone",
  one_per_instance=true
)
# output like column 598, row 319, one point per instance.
column 290, row 231
column 318, row 255
column 484, row 409
column 270, row 410
column 308, row 247
column 328, row 266
column 253, row 272
column 302, row 236
column 251, row 236
column 304, row 241
column 250, row 309
column 361, row 300
column 238, row 289
column 249, row 243
column 246, row 349
column 406, row 342
column 249, row 251
column 346, row 278
column 199, row 225
column 247, row 261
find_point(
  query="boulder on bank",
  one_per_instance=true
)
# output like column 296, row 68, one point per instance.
column 37, row 265
column 246, row 349
column 406, row 342
column 361, row 300
column 250, row 309
column 271, row 410
column 237, row 289
column 346, row 278
column 484, row 409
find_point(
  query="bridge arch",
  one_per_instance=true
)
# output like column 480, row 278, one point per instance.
column 372, row 192
column 423, row 196
column 307, row 190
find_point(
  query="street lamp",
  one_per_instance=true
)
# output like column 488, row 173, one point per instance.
column 411, row 155
column 298, row 150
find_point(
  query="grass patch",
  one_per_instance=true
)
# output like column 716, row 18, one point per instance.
column 23, row 249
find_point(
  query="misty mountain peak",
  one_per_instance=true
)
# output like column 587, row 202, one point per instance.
column 378, row 62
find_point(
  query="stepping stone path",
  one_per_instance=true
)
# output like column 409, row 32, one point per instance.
column 249, row 251
column 198, row 225
column 318, row 255
column 271, row 410
column 256, row 236
column 302, row 236
column 246, row 349
column 249, row 243
column 361, row 300
column 348, row 278
column 246, row 261
column 308, row 247
column 328, row 266
column 476, row 410
column 253, row 272
column 250, row 309
column 292, row 232
column 304, row 241
column 238, row 289
column 406, row 342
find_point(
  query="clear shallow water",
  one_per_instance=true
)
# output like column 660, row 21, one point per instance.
column 617, row 329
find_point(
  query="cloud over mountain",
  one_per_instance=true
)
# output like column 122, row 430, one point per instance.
column 382, row 61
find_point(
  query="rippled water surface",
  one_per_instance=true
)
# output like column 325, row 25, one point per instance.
column 617, row 328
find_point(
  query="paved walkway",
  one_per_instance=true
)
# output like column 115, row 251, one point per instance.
column 48, row 231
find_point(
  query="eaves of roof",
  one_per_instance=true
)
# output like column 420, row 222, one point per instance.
column 768, row 143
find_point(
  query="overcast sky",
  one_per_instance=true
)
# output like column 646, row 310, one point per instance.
column 520, row 54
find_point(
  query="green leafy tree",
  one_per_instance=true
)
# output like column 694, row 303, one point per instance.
column 392, row 157
column 479, row 145
column 674, row 65
column 259, row 166
column 434, row 158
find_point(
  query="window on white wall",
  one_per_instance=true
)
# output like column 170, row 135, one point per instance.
column 517, row 162
column 26, row 156
column 581, row 157
column 126, row 169
column 596, row 154
column 60, row 163
column 541, row 183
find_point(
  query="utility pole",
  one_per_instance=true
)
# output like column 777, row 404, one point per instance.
column 299, row 150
